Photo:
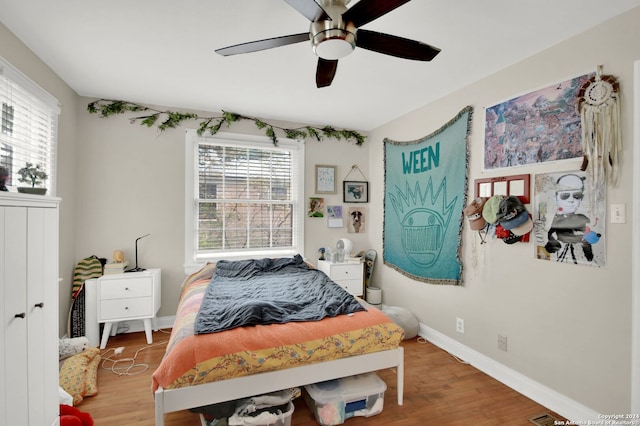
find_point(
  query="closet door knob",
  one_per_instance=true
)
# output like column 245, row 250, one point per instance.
column 39, row 305
column 20, row 315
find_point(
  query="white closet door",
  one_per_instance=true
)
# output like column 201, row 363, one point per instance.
column 29, row 303
column 49, row 317
column 14, row 342
column 36, row 325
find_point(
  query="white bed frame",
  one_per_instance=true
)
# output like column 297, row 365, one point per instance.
column 169, row 400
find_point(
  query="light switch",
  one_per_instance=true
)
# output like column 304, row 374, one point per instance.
column 618, row 213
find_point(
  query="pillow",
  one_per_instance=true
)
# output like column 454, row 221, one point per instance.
column 79, row 374
column 68, row 347
column 403, row 318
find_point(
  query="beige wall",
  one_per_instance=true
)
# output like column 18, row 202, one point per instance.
column 568, row 327
column 133, row 184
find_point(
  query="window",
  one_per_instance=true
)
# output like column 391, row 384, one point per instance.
column 244, row 197
column 29, row 127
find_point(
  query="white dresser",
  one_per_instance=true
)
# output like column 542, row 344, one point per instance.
column 128, row 296
column 29, row 310
column 349, row 276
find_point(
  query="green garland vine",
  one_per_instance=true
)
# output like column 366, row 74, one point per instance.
column 172, row 119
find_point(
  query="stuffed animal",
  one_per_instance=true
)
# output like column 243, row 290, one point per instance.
column 71, row 416
column 73, row 346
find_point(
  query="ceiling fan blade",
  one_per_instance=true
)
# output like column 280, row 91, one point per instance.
column 269, row 43
column 325, row 72
column 395, row 46
column 310, row 9
column 366, row 11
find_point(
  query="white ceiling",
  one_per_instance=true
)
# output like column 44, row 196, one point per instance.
column 161, row 52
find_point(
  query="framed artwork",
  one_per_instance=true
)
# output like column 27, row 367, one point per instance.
column 537, row 127
column 356, row 221
column 325, row 179
column 316, row 207
column 334, row 217
column 355, row 191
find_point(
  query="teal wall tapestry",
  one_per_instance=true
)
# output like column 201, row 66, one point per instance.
column 425, row 192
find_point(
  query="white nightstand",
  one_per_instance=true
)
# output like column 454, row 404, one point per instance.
column 128, row 296
column 349, row 276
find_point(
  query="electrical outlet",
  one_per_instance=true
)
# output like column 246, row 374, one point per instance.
column 460, row 325
column 502, row 342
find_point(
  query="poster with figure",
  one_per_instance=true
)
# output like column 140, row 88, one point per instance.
column 424, row 199
column 566, row 227
column 536, row 127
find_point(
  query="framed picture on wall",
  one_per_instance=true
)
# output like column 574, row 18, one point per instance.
column 325, row 179
column 355, row 191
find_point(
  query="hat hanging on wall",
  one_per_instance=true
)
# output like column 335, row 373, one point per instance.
column 506, row 235
column 473, row 213
column 490, row 209
column 513, row 217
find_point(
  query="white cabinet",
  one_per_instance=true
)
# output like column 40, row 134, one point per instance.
column 349, row 276
column 29, row 310
column 128, row 296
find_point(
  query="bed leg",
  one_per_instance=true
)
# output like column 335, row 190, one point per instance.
column 400, row 377
column 159, row 408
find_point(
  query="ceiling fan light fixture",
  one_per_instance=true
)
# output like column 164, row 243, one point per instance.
column 333, row 44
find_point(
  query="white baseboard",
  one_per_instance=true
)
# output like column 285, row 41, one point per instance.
column 533, row 390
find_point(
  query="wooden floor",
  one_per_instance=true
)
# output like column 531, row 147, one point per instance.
column 439, row 390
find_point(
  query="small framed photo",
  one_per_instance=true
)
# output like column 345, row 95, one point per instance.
column 325, row 179
column 355, row 191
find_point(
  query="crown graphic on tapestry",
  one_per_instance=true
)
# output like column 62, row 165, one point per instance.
column 424, row 216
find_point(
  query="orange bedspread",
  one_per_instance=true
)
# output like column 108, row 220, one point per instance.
column 191, row 359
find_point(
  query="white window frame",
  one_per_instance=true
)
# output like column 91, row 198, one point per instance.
column 192, row 259
column 47, row 101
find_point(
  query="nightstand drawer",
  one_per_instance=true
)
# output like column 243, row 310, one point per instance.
column 118, row 309
column 352, row 286
column 346, row 272
column 124, row 289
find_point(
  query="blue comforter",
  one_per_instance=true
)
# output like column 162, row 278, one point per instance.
column 269, row 291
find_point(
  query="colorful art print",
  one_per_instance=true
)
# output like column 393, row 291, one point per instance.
column 537, row 127
column 567, row 227
column 316, row 205
column 425, row 187
column 334, row 212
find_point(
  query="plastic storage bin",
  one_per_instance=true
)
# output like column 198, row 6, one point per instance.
column 283, row 419
column 334, row 401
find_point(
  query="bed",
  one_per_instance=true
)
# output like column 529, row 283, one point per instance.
column 210, row 368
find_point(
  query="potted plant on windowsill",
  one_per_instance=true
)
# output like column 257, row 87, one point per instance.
column 34, row 175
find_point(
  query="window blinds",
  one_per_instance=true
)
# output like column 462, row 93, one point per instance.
column 246, row 198
column 28, row 131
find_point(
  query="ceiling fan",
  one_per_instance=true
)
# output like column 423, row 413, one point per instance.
column 335, row 32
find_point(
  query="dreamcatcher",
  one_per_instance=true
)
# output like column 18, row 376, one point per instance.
column 599, row 109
